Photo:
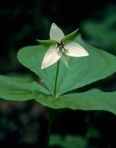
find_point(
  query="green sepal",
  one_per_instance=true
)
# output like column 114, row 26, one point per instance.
column 71, row 36
column 47, row 43
column 65, row 60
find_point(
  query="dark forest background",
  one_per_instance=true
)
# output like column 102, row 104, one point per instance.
column 24, row 21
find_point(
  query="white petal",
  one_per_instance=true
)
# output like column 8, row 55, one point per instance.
column 56, row 33
column 75, row 50
column 51, row 57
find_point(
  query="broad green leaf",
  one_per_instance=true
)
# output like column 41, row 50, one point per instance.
column 90, row 100
column 18, row 89
column 31, row 57
column 71, row 36
column 82, row 71
column 46, row 43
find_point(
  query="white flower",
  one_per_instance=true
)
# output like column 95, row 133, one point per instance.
column 59, row 47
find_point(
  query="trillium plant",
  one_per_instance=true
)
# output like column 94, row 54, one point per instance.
column 67, row 66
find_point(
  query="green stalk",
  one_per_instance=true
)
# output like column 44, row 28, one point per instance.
column 49, row 128
column 56, row 79
column 52, row 110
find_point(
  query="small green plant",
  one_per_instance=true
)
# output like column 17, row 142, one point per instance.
column 65, row 64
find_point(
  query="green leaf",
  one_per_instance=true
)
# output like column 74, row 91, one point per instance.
column 31, row 57
column 18, row 89
column 102, row 33
column 71, row 36
column 82, row 71
column 69, row 141
column 46, row 43
column 91, row 100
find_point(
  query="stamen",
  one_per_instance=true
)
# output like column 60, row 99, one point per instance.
column 62, row 49
column 60, row 46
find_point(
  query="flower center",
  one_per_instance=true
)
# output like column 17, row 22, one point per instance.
column 60, row 46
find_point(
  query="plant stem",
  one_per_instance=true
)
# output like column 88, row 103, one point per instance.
column 56, row 79
column 51, row 110
column 49, row 127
